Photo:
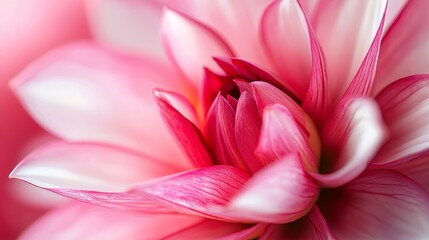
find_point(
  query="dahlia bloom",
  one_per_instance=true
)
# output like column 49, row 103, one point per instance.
column 26, row 33
column 260, row 119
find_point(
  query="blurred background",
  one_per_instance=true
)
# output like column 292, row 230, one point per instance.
column 28, row 28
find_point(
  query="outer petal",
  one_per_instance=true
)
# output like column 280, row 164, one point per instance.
column 83, row 221
column 405, row 47
column 384, row 204
column 281, row 192
column 352, row 137
column 191, row 46
column 310, row 227
column 127, row 25
column 281, row 135
column 84, row 93
column 417, row 169
column 88, row 166
column 285, row 35
column 404, row 105
column 340, row 24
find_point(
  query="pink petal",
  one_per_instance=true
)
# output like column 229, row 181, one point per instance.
column 416, row 169
column 187, row 134
column 362, row 81
column 281, row 136
column 285, row 35
column 339, row 27
column 405, row 46
column 380, row 204
column 405, row 110
column 87, row 166
column 127, row 25
column 266, row 94
column 249, row 233
column 279, row 193
column 83, row 221
column 247, row 125
column 85, row 93
column 224, row 17
column 312, row 226
column 221, row 134
column 352, row 137
column 191, row 45
column 211, row 229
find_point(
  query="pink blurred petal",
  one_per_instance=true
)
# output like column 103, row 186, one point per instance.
column 83, row 221
column 339, row 26
column 248, row 233
column 221, row 134
column 352, row 137
column 100, row 96
column 187, row 134
column 191, row 45
column 281, row 136
column 127, row 25
column 247, row 125
column 313, row 226
column 405, row 46
column 77, row 166
column 417, row 169
column 404, row 105
column 380, row 204
column 290, row 53
column 279, row 193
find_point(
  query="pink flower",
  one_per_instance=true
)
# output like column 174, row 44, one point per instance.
column 27, row 29
column 270, row 119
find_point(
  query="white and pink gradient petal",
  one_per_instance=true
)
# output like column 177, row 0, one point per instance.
column 345, row 30
column 404, row 105
column 352, row 137
column 191, row 46
column 379, row 204
column 83, row 92
column 83, row 221
column 405, row 47
column 285, row 36
column 88, row 166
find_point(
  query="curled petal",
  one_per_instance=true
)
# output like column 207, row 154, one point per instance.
column 281, row 135
column 404, row 105
column 279, row 193
column 85, row 93
column 386, row 204
column 191, row 45
column 352, row 137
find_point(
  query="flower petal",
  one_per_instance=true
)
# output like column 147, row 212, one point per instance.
column 352, row 137
column 127, row 25
column 285, row 35
column 312, row 226
column 85, row 93
column 83, row 221
column 416, row 169
column 279, row 193
column 247, row 125
column 88, row 166
column 405, row 46
column 340, row 24
column 281, row 136
column 192, row 46
column 187, row 134
column 404, row 105
column 386, row 204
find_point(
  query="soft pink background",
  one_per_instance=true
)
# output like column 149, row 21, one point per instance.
column 28, row 28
